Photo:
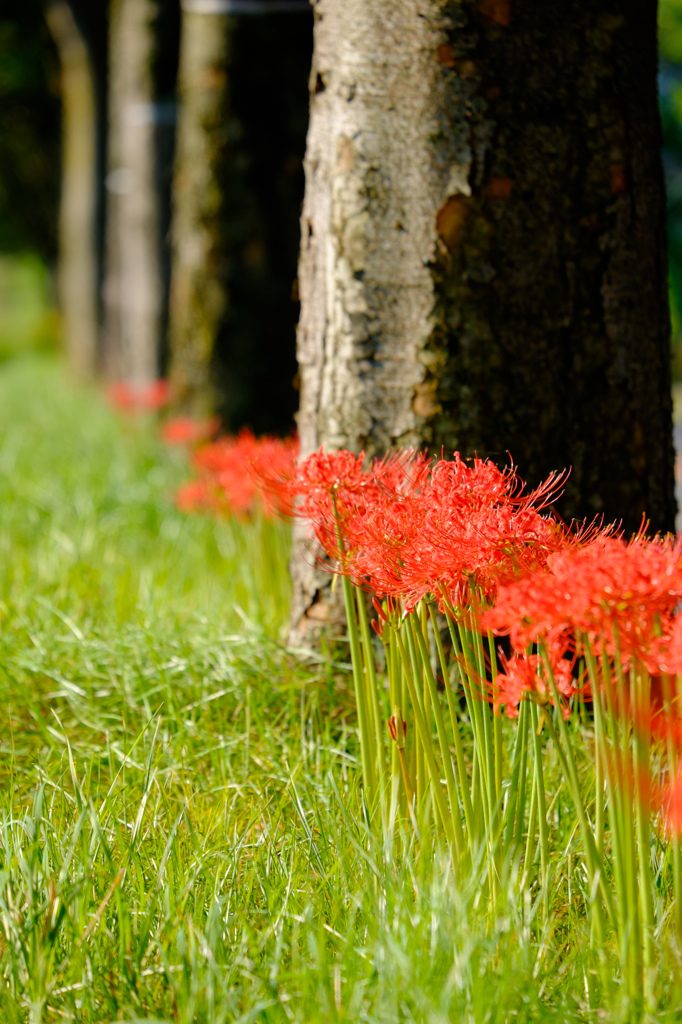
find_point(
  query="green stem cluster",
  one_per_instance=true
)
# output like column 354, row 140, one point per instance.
column 474, row 783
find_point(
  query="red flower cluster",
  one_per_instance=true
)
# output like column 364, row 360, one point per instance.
column 467, row 535
column 622, row 596
column 185, row 430
column 407, row 527
column 232, row 474
column 139, row 398
column 525, row 675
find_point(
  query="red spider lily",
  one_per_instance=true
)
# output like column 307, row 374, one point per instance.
column 229, row 469
column 139, row 397
column 407, row 527
column 185, row 430
column 272, row 464
column 525, row 675
column 212, row 458
column 668, row 648
column 478, row 530
column 200, row 496
column 616, row 593
column 337, row 494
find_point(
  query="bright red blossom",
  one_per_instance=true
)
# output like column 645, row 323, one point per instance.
column 620, row 594
column 410, row 527
column 185, row 430
column 231, row 474
column 526, row 676
column 201, row 495
column 139, row 397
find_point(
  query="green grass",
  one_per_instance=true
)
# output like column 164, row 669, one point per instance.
column 28, row 319
column 182, row 836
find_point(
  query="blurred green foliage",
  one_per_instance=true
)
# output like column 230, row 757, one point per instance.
column 670, row 84
column 28, row 318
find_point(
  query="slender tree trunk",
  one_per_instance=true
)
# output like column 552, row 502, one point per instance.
column 483, row 246
column 133, row 285
column 199, row 270
column 77, row 235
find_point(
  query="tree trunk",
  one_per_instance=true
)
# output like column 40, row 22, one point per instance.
column 77, row 234
column 483, row 246
column 198, row 283
column 133, row 285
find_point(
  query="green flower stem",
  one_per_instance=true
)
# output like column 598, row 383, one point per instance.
column 522, row 783
column 620, row 772
column 474, row 707
column 626, row 777
column 357, row 666
column 442, row 738
column 420, row 677
column 474, row 661
column 485, row 714
column 542, row 804
column 438, row 794
column 614, row 795
column 411, row 670
column 565, row 751
column 366, row 752
column 642, row 729
column 629, row 826
column 497, row 725
column 392, row 663
column 463, row 669
column 529, row 854
column 599, row 803
column 509, row 810
column 675, row 846
column 456, row 735
column 372, row 685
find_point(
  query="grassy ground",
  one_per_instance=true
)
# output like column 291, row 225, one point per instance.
column 181, row 835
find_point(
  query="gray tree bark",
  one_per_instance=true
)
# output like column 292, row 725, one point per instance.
column 133, row 282
column 77, row 234
column 198, row 282
column 483, row 246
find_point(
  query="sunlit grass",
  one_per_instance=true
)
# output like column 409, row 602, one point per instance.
column 182, row 834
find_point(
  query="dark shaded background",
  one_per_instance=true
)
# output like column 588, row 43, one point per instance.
column 255, row 352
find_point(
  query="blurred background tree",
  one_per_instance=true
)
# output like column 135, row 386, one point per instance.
column 143, row 44
column 238, row 189
column 78, row 252
column 670, row 83
column 250, row 361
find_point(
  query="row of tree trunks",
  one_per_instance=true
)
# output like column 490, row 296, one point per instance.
column 133, row 291
column 237, row 188
column 483, row 246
